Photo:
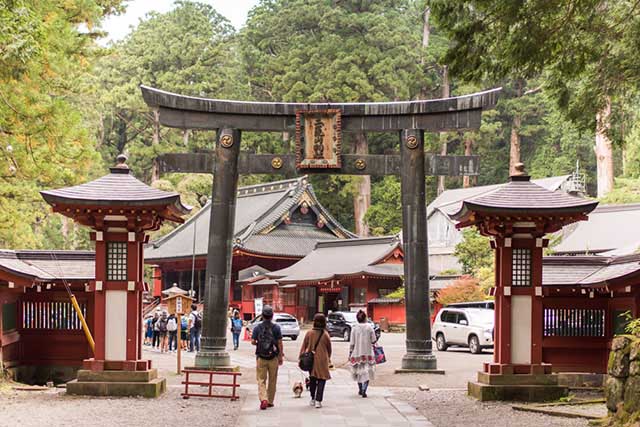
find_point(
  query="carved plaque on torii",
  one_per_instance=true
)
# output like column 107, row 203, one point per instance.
column 318, row 139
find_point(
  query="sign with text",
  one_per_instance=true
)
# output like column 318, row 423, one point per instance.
column 318, row 139
column 257, row 306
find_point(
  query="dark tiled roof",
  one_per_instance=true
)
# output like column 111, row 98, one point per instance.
column 342, row 258
column 609, row 228
column 521, row 195
column 587, row 270
column 450, row 201
column 49, row 265
column 119, row 188
column 259, row 226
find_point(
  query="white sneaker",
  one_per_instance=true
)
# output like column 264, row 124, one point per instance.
column 318, row 405
column 312, row 403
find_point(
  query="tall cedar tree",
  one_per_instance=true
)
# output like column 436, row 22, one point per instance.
column 46, row 46
column 336, row 51
column 585, row 50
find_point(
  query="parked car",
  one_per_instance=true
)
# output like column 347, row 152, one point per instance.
column 288, row 324
column 339, row 324
column 464, row 327
column 472, row 304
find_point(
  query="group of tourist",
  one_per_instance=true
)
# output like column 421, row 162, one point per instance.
column 161, row 331
column 267, row 337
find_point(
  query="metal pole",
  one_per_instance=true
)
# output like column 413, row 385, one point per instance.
column 419, row 354
column 212, row 353
column 193, row 258
column 179, row 343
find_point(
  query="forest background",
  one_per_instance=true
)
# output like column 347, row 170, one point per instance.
column 570, row 73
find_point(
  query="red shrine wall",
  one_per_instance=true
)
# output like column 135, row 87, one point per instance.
column 41, row 338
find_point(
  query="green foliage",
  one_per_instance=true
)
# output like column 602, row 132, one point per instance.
column 384, row 216
column 188, row 50
column 474, row 252
column 44, row 142
column 586, row 51
column 627, row 190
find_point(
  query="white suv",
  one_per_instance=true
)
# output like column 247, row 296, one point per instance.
column 465, row 327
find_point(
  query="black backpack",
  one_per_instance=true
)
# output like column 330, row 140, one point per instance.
column 162, row 326
column 266, row 347
column 197, row 322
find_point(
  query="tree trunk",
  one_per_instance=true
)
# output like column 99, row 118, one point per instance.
column 604, row 150
column 516, row 123
column 185, row 137
column 155, row 141
column 426, row 28
column 362, row 196
column 514, row 151
column 443, row 135
column 468, row 151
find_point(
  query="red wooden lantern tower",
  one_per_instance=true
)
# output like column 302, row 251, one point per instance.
column 121, row 210
column 517, row 217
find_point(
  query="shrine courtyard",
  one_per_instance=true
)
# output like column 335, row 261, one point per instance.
column 393, row 399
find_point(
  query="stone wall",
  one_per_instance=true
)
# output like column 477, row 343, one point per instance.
column 622, row 388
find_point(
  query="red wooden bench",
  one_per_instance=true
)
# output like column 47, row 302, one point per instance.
column 210, row 384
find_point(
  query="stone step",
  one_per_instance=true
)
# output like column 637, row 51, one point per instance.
column 153, row 388
column 522, row 393
column 117, row 376
column 517, row 379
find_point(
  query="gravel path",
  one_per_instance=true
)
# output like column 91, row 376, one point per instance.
column 453, row 408
column 54, row 408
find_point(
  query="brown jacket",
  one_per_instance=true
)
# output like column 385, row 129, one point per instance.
column 322, row 356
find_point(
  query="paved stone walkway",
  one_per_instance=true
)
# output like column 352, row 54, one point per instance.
column 342, row 405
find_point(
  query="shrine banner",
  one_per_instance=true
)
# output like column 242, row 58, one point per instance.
column 318, row 139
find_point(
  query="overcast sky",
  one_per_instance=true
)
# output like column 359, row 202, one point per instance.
column 119, row 26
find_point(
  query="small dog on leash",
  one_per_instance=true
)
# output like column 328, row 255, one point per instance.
column 297, row 389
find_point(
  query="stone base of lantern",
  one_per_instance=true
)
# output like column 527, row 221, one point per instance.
column 525, row 383
column 118, row 383
column 117, row 378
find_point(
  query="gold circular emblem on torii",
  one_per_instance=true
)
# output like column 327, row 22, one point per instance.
column 226, row 140
column 360, row 164
column 412, row 141
column 276, row 163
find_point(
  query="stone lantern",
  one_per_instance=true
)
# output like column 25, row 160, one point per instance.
column 517, row 217
column 120, row 210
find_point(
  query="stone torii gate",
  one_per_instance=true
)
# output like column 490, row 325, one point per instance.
column 318, row 128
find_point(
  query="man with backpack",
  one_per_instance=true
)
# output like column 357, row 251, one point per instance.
column 267, row 337
column 195, row 327
column 172, row 329
column 162, row 329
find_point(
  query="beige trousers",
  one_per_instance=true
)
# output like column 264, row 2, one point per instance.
column 267, row 376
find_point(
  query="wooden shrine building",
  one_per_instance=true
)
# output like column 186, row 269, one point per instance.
column 276, row 224
column 340, row 275
column 41, row 338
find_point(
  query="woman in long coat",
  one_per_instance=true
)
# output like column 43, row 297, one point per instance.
column 321, row 360
column 361, row 357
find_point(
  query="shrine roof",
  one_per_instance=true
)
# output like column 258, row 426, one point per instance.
column 259, row 224
column 588, row 271
column 521, row 196
column 118, row 188
column 49, row 265
column 332, row 260
column 450, row 201
column 610, row 228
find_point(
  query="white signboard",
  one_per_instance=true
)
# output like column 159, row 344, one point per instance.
column 257, row 305
column 179, row 305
